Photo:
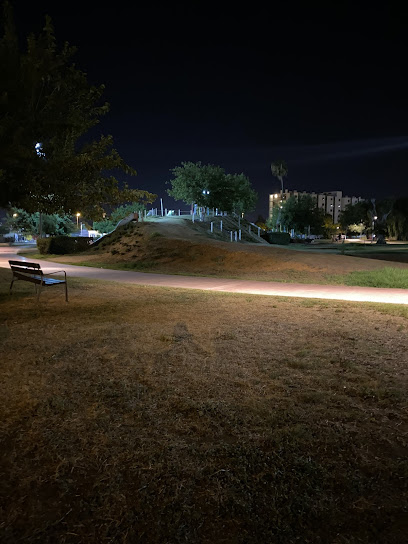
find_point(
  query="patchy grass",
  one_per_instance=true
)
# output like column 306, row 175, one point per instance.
column 136, row 414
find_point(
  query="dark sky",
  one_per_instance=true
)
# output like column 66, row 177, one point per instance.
column 322, row 86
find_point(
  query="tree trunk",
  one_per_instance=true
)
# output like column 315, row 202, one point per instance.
column 280, row 178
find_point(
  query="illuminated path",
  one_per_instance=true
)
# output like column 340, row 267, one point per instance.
column 332, row 292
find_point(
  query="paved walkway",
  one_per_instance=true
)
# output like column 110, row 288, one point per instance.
column 333, row 292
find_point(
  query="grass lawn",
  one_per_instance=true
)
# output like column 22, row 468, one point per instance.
column 135, row 414
column 385, row 277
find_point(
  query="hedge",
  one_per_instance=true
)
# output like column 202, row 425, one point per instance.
column 61, row 245
column 280, row 238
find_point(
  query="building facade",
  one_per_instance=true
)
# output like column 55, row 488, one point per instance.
column 332, row 202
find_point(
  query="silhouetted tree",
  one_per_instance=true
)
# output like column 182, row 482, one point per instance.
column 208, row 185
column 301, row 213
column 47, row 107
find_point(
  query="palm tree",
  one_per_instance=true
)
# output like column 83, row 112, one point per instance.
column 279, row 169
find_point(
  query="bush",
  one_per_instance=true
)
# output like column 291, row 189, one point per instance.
column 280, row 238
column 43, row 245
column 61, row 245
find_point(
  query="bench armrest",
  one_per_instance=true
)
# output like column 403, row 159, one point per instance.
column 56, row 272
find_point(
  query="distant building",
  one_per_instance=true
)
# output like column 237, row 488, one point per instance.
column 331, row 202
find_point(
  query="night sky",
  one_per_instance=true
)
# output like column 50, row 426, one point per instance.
column 321, row 86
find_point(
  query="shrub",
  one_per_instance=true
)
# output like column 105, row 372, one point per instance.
column 281, row 238
column 43, row 245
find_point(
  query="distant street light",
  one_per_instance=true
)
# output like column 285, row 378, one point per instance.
column 38, row 149
column 78, row 216
column 373, row 225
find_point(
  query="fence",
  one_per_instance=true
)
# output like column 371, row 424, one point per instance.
column 156, row 212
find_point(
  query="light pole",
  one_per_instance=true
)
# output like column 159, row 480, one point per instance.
column 78, row 216
column 205, row 192
column 372, row 228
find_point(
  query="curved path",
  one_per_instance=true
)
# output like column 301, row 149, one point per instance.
column 333, row 292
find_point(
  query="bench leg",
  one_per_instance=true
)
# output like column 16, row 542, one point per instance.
column 11, row 286
column 39, row 292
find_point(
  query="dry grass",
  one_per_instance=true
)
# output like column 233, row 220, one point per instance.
column 178, row 248
column 137, row 414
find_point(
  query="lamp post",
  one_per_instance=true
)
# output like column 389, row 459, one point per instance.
column 372, row 227
column 78, row 216
column 205, row 192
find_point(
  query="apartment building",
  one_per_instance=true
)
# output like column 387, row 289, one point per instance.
column 331, row 202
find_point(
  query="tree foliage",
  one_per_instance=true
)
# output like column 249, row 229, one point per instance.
column 209, row 186
column 261, row 222
column 397, row 220
column 29, row 223
column 329, row 228
column 301, row 213
column 47, row 107
column 279, row 169
column 108, row 224
column 356, row 214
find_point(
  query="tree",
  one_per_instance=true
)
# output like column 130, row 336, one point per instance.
column 261, row 222
column 329, row 227
column 355, row 214
column 107, row 225
column 209, row 186
column 279, row 169
column 47, row 107
column 29, row 223
column 301, row 213
column 274, row 220
column 194, row 183
column 356, row 228
column 243, row 197
column 397, row 221
column 379, row 214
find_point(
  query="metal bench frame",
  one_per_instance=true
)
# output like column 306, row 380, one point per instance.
column 32, row 273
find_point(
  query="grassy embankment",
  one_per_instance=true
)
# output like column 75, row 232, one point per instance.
column 155, row 247
column 135, row 414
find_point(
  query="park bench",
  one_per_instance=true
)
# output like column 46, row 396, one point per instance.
column 32, row 272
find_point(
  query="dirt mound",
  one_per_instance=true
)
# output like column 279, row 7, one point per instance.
column 177, row 247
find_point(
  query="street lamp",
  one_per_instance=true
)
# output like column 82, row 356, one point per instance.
column 78, row 216
column 372, row 225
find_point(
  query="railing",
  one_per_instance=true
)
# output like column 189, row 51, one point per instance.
column 156, row 212
column 233, row 235
column 259, row 229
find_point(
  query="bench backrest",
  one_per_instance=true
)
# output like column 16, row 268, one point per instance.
column 24, row 269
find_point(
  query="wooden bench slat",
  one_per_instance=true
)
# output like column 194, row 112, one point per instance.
column 25, row 264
